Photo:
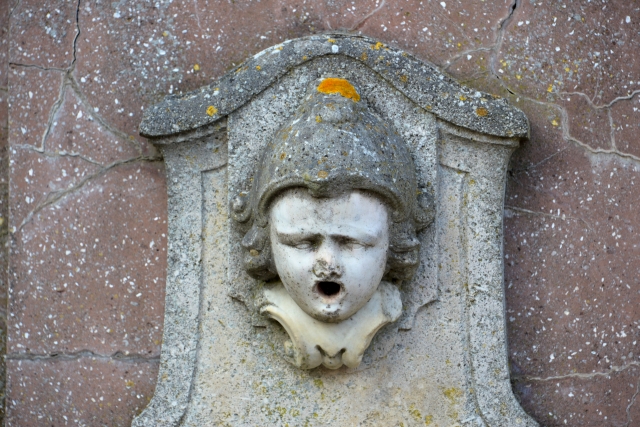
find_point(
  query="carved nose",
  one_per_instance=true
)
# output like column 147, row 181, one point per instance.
column 326, row 270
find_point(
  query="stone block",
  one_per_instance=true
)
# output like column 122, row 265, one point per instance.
column 80, row 391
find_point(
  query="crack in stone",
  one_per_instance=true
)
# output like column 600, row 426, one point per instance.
column 57, row 153
column 73, row 83
column 52, row 114
column 498, row 44
column 39, row 67
column 585, row 376
column 560, row 217
column 55, row 197
column 633, row 400
column 75, row 39
column 535, row 165
column 118, row 355
column 603, row 106
column 364, row 20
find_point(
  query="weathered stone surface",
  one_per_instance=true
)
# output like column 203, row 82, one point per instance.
column 139, row 79
column 589, row 401
column 83, row 391
column 420, row 82
column 463, row 170
column 625, row 120
column 42, row 34
column 33, row 99
column 564, row 48
column 570, row 235
column 86, row 269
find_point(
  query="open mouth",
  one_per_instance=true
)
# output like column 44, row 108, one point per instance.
column 328, row 290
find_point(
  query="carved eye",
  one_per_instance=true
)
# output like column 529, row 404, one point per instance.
column 305, row 245
column 352, row 244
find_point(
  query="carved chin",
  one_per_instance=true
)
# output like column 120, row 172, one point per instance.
column 316, row 342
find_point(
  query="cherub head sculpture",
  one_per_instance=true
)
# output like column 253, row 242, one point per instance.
column 333, row 214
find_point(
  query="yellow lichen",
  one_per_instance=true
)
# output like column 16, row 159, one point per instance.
column 482, row 112
column 554, row 122
column 318, row 119
column 342, row 87
column 404, row 79
column 377, row 46
column 282, row 156
column 196, row 67
column 550, row 88
column 428, row 420
column 364, row 56
column 452, row 394
column 304, row 58
column 211, row 110
column 165, row 34
column 253, row 252
column 323, row 174
column 258, row 67
column 462, row 98
column 331, row 40
column 518, row 76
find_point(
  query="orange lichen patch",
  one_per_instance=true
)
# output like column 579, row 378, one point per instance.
column 323, row 174
column 211, row 110
column 340, row 86
column 482, row 112
column 377, row 46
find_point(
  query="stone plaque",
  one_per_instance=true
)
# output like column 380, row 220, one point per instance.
column 335, row 244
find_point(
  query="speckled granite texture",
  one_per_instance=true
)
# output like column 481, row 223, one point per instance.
column 87, row 194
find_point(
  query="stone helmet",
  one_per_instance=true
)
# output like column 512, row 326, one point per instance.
column 332, row 144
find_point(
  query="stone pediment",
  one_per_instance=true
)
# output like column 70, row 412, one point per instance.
column 234, row 352
column 422, row 83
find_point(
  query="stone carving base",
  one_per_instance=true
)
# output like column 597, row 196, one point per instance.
column 315, row 343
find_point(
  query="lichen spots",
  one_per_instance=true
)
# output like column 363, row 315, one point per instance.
column 331, row 40
column 196, row 67
column 377, row 46
column 211, row 110
column 282, row 156
column 428, row 420
column 482, row 112
column 364, row 56
column 404, row 79
column 323, row 174
column 258, row 67
column 254, row 252
column 318, row 119
column 339, row 86
column 452, row 394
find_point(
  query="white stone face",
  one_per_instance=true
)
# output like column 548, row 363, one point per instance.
column 330, row 253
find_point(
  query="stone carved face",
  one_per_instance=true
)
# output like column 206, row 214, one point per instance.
column 330, row 253
column 333, row 213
